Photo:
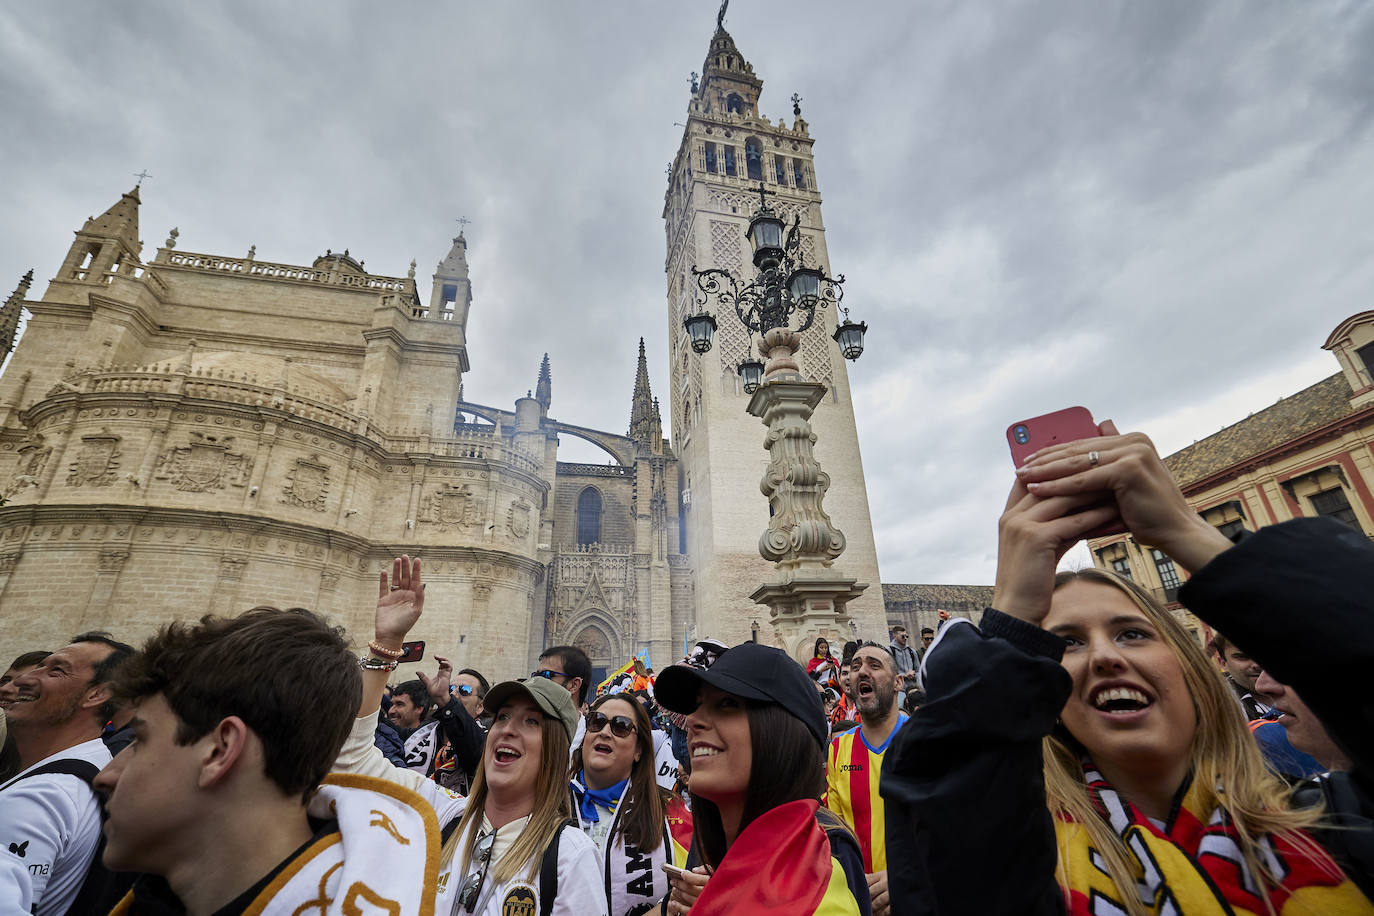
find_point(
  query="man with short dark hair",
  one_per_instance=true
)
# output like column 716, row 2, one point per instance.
column 569, row 667
column 49, row 818
column 1242, row 672
column 458, row 717
column 905, row 657
column 237, row 722
column 856, row 761
column 409, row 713
column 927, row 637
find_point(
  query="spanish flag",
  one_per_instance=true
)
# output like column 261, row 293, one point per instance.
column 780, row 865
column 623, row 669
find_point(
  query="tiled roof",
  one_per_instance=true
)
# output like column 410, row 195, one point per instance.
column 939, row 595
column 1293, row 416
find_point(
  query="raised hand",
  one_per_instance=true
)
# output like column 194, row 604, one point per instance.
column 438, row 686
column 1033, row 535
column 399, row 602
column 1147, row 497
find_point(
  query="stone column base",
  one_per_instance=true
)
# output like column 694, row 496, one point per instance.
column 806, row 605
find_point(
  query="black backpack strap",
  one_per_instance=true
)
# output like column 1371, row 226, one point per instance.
column 449, row 829
column 83, row 770
column 548, row 870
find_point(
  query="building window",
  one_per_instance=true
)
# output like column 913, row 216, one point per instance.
column 1232, row 529
column 1168, row 574
column 589, row 517
column 1332, row 503
column 753, row 158
column 1122, row 567
column 798, row 176
column 734, row 104
column 1366, row 354
column 780, row 170
column 710, row 157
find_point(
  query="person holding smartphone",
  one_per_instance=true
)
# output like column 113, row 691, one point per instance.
column 1084, row 734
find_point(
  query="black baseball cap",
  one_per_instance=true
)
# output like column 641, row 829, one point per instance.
column 751, row 671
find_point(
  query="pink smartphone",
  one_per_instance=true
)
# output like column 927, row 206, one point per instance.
column 1067, row 425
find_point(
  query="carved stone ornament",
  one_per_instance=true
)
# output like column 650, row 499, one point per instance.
column 451, row 506
column 112, row 560
column 231, row 568
column 307, row 484
column 8, row 561
column 205, row 464
column 96, row 462
column 518, row 518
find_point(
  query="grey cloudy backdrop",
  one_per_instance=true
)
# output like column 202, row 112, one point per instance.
column 1158, row 210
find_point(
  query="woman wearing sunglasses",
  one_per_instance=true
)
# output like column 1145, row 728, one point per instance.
column 510, row 846
column 756, row 731
column 620, row 805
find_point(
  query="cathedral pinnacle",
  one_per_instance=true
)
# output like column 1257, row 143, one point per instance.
column 9, row 312
column 543, row 391
column 642, row 407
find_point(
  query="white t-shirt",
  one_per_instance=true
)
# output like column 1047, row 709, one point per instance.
column 49, row 827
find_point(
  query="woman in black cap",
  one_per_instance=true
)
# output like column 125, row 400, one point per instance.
column 756, row 733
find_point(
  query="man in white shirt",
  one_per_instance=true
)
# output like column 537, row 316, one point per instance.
column 49, row 817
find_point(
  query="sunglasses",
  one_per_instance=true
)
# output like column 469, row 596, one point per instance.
column 548, row 673
column 481, row 859
column 621, row 726
column 461, row 689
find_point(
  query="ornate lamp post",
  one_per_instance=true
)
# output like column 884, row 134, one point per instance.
column 809, row 596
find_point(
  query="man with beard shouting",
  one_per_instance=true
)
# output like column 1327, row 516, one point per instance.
column 856, row 760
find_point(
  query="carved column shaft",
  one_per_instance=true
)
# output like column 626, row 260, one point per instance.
column 800, row 533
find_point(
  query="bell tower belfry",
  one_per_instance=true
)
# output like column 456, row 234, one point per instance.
column 728, row 149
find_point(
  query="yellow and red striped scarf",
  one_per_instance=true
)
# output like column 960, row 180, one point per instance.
column 1193, row 865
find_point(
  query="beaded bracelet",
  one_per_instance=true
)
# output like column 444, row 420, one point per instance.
column 368, row 663
column 385, row 653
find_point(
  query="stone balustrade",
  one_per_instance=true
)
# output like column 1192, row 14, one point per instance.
column 226, row 386
column 268, row 270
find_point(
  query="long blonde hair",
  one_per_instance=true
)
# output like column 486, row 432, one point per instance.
column 551, row 809
column 1223, row 755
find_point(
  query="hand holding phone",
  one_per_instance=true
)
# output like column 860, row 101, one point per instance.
column 411, row 651
column 1068, row 425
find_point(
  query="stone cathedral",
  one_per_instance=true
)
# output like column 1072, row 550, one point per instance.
column 198, row 433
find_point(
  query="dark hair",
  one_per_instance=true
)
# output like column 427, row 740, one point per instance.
column 849, row 649
column 106, row 668
column 925, row 630
column 1219, row 643
column 575, row 664
column 898, row 628
column 870, row 644
column 287, row 674
column 788, row 765
column 30, row 659
column 482, row 685
column 816, row 649
column 642, row 822
column 418, row 693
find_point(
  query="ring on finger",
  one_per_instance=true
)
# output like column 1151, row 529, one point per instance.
column 1093, row 458
column 396, row 587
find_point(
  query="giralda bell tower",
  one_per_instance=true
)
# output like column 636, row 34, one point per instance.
column 728, row 148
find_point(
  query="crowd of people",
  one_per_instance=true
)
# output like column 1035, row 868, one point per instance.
column 1076, row 751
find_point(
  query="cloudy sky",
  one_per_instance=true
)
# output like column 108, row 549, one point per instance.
column 1156, row 209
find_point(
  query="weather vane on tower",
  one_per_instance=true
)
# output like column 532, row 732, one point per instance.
column 720, row 17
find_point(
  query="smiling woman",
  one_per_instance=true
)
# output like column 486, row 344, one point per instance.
column 756, row 730
column 1091, row 733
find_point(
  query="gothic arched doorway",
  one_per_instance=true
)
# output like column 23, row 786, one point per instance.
column 594, row 641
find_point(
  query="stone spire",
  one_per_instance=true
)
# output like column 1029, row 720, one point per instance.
column 452, row 291
column 9, row 313
column 543, row 392
column 119, row 222
column 642, row 410
column 725, row 73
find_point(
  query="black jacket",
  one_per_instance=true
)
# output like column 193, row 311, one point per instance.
column 963, row 782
